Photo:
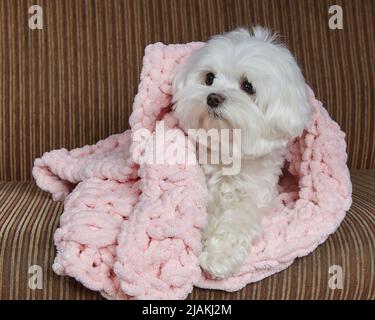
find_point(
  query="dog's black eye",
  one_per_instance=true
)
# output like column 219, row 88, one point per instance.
column 210, row 77
column 247, row 87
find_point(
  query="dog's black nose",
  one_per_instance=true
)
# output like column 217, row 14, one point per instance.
column 214, row 100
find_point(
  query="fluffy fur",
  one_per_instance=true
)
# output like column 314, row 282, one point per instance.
column 276, row 112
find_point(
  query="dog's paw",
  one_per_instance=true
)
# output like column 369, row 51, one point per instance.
column 213, row 266
column 221, row 256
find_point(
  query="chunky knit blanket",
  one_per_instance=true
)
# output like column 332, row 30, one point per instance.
column 131, row 229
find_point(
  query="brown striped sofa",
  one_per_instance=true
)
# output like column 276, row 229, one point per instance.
column 73, row 83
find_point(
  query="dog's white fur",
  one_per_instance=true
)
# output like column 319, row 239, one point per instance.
column 277, row 112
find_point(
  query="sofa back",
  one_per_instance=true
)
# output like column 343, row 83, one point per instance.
column 73, row 82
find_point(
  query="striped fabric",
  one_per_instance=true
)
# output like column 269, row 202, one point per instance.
column 28, row 219
column 73, row 82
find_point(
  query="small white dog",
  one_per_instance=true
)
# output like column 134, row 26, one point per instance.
column 242, row 80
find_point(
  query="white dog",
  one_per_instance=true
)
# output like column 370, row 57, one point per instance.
column 241, row 80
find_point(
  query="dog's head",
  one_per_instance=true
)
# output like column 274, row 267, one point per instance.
column 244, row 80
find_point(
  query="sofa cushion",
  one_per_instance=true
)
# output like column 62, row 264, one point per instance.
column 28, row 219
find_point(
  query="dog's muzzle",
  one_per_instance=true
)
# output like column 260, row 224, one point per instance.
column 214, row 100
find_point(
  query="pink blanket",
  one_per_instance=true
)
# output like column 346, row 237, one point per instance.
column 131, row 229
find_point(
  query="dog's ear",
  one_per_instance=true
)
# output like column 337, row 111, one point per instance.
column 179, row 79
column 289, row 111
column 182, row 72
column 286, row 115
